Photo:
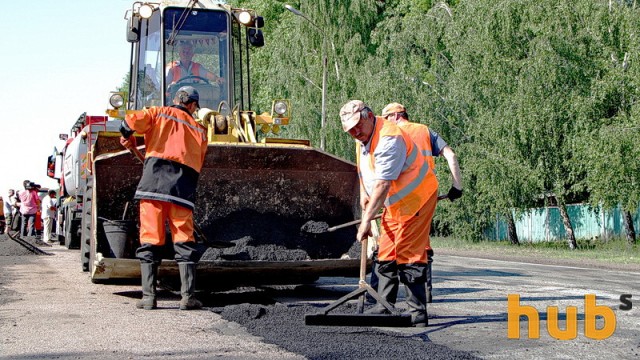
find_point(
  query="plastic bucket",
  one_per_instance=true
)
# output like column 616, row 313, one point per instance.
column 118, row 234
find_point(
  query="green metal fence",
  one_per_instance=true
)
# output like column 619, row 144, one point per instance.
column 545, row 224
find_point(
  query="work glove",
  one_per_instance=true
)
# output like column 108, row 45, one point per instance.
column 454, row 193
column 128, row 143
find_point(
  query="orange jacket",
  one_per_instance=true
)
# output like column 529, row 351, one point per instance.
column 417, row 181
column 175, row 150
column 171, row 133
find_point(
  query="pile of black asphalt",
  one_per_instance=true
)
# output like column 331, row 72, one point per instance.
column 11, row 247
column 12, row 252
column 283, row 325
column 270, row 237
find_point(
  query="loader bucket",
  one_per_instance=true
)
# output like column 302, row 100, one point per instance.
column 256, row 196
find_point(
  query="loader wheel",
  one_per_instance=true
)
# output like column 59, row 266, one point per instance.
column 85, row 230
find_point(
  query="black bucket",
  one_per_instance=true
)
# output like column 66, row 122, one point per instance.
column 120, row 236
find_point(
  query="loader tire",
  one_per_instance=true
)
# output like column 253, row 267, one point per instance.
column 85, row 230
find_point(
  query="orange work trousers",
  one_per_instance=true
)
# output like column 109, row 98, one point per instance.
column 153, row 216
column 405, row 242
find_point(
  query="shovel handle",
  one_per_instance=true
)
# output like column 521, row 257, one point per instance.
column 356, row 222
column 137, row 154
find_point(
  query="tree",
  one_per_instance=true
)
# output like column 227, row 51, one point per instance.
column 610, row 119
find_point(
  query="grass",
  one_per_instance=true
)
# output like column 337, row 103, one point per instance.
column 616, row 251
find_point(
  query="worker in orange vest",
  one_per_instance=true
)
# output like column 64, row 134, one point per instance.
column 395, row 178
column 185, row 67
column 431, row 145
column 175, row 150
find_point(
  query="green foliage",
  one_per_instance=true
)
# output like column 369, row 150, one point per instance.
column 539, row 100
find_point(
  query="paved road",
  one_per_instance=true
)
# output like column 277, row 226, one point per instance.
column 49, row 308
column 470, row 308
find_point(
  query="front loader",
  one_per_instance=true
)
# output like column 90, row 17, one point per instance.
column 256, row 190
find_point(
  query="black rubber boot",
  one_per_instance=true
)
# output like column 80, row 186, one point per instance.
column 413, row 276
column 148, row 273
column 387, row 273
column 188, row 288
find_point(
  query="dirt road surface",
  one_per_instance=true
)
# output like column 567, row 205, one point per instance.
column 50, row 309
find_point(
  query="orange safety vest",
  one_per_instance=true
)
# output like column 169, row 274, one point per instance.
column 420, row 135
column 417, row 181
column 175, row 70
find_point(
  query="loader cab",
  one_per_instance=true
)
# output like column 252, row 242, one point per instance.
column 178, row 46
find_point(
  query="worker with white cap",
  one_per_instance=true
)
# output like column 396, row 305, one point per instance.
column 396, row 178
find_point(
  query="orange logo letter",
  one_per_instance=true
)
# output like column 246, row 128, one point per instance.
column 591, row 311
column 514, row 311
column 571, row 331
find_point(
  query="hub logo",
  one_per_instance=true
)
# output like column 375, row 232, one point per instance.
column 570, row 332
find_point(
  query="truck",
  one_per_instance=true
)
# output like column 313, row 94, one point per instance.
column 70, row 167
column 256, row 189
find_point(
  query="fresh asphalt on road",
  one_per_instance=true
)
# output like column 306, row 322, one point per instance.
column 50, row 309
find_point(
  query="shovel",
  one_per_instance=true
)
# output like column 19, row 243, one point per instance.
column 197, row 232
column 320, row 227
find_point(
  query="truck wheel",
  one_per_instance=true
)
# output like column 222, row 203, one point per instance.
column 85, row 230
column 73, row 238
column 68, row 227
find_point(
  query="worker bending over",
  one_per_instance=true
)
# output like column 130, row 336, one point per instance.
column 393, row 176
column 175, row 151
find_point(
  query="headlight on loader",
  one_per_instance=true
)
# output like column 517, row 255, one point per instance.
column 280, row 107
column 245, row 18
column 145, row 11
column 116, row 100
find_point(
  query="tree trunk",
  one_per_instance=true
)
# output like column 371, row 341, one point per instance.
column 511, row 229
column 628, row 226
column 568, row 228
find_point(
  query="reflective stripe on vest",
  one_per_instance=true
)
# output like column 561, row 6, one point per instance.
column 186, row 123
column 165, row 197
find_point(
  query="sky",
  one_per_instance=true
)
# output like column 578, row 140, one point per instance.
column 59, row 58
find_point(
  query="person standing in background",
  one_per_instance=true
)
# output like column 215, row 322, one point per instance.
column 2, row 217
column 9, row 208
column 48, row 215
column 29, row 203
